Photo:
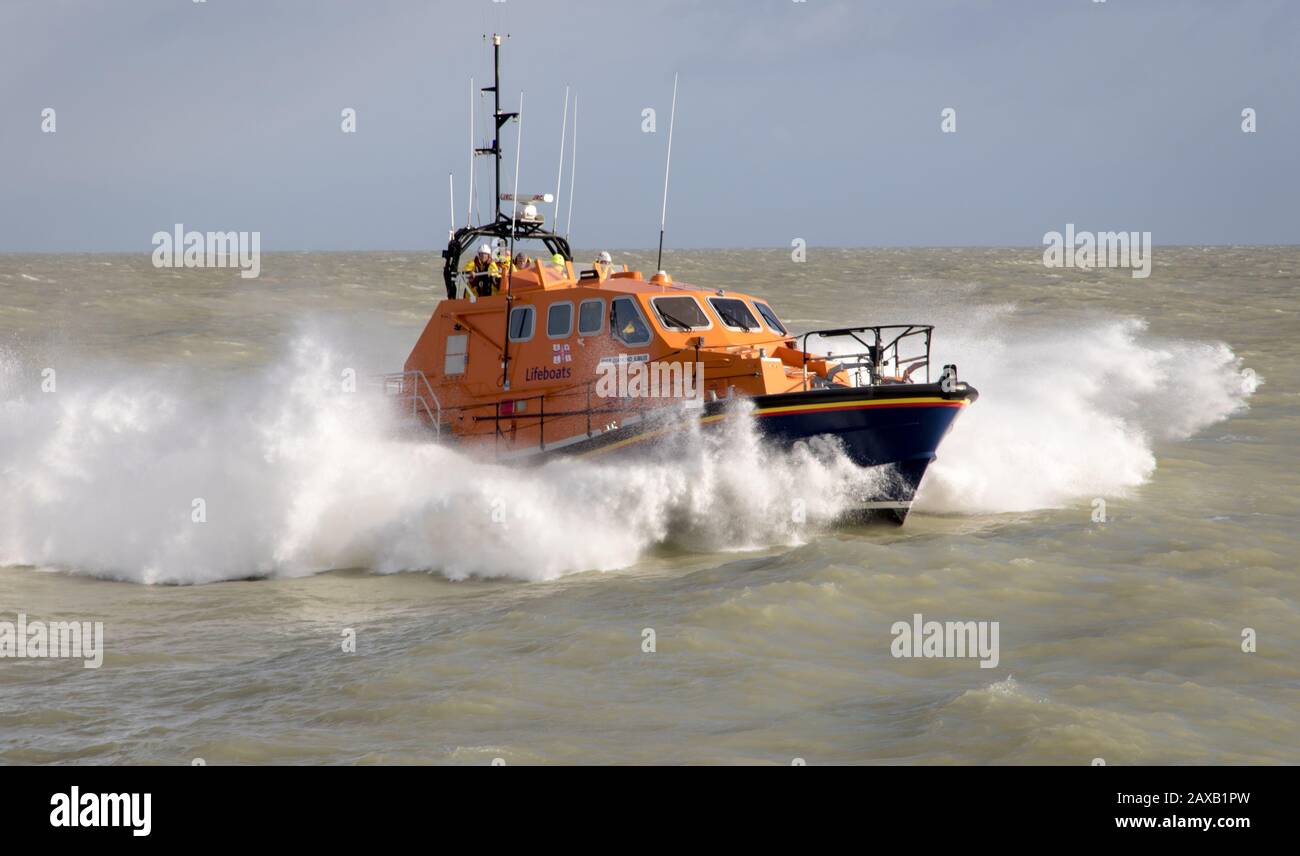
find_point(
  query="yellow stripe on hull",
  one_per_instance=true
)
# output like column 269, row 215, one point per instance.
column 867, row 402
column 803, row 408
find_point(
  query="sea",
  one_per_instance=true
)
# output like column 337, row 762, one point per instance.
column 200, row 464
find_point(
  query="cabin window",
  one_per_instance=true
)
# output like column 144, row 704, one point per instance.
column 522, row 321
column 770, row 317
column 591, row 317
column 734, row 313
column 559, row 320
column 626, row 323
column 680, row 313
column 457, row 351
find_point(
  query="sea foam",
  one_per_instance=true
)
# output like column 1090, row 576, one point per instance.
column 296, row 476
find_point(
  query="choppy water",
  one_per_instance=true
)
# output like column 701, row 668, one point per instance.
column 1172, row 399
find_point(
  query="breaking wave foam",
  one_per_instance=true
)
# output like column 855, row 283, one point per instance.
column 1074, row 413
column 297, row 477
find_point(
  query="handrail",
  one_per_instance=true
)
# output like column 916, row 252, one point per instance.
column 395, row 387
column 516, row 413
column 877, row 350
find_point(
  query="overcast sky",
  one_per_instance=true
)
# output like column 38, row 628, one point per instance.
column 815, row 119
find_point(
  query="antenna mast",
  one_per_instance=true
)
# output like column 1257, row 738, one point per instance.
column 510, row 263
column 514, row 196
column 469, row 210
column 663, row 215
column 564, row 126
column 500, row 118
column 573, row 171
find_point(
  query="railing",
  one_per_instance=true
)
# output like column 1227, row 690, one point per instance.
column 878, row 349
column 517, row 410
column 531, row 410
column 414, row 387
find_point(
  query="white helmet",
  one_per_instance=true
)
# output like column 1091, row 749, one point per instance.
column 606, row 257
column 484, row 250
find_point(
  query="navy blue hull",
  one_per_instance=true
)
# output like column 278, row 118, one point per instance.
column 897, row 426
column 900, row 427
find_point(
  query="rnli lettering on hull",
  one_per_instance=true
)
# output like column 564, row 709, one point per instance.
column 535, row 373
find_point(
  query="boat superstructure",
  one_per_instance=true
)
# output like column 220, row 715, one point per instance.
column 557, row 359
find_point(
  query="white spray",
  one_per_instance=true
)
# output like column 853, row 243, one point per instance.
column 297, row 476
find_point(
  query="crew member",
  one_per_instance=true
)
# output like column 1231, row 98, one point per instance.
column 483, row 274
column 604, row 264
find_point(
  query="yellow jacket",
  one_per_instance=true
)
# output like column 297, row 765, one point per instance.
column 475, row 271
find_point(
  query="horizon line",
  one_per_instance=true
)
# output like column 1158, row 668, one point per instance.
column 667, row 250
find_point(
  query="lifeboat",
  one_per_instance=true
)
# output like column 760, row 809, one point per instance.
column 540, row 356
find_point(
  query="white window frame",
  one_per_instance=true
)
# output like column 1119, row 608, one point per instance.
column 527, row 307
column 457, row 349
column 649, row 328
column 763, row 320
column 572, row 310
column 757, row 316
column 600, row 316
column 654, row 302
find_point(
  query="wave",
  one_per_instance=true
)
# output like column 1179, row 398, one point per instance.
column 1072, row 412
column 291, row 475
column 295, row 476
